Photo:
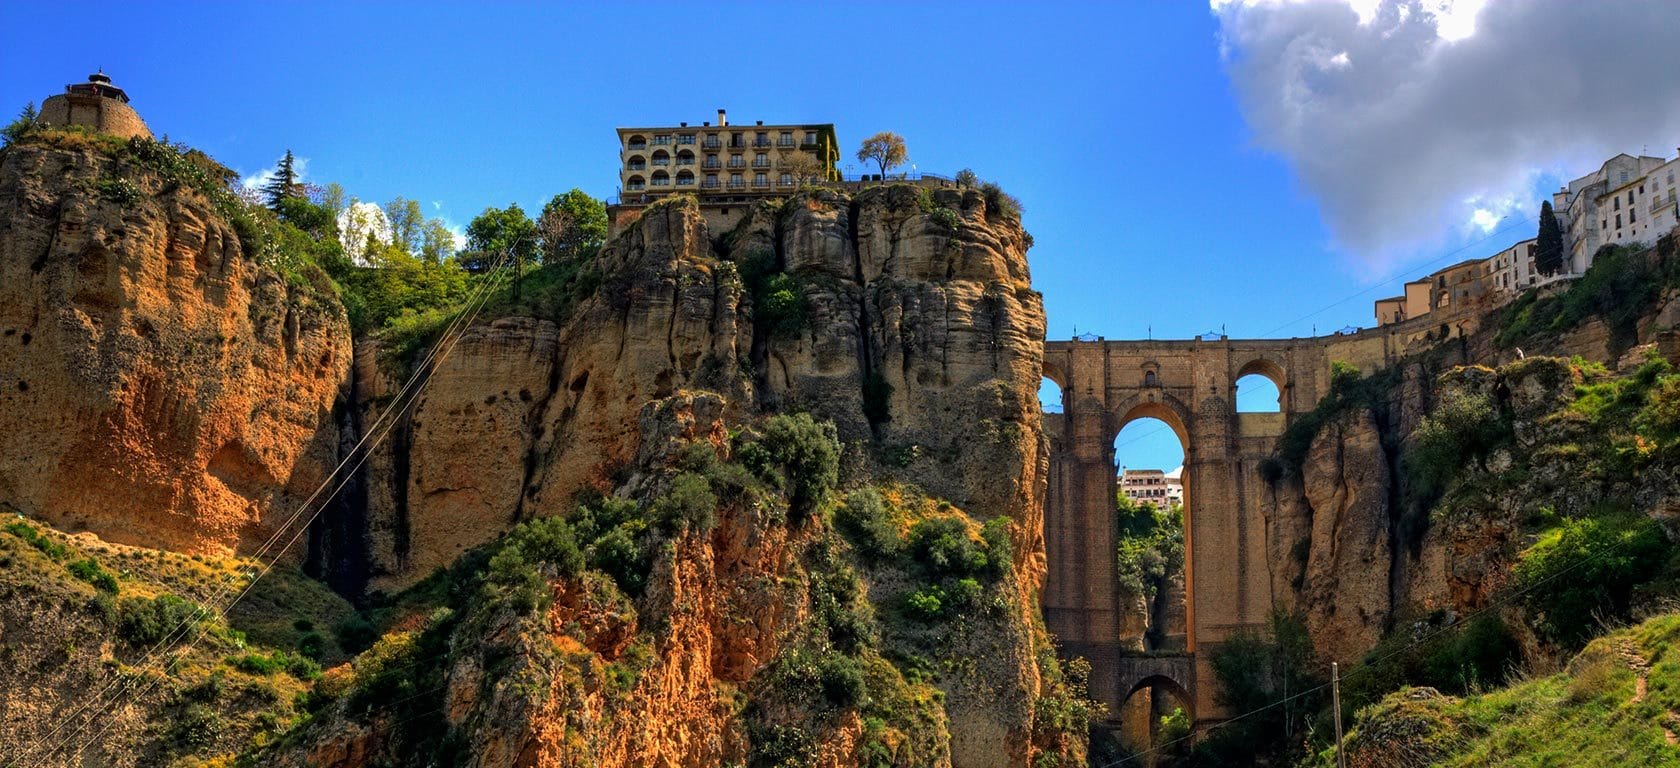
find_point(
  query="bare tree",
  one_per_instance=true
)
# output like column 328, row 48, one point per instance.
column 805, row 167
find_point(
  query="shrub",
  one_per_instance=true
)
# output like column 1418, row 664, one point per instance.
column 1000, row 202
column 38, row 540
column 926, row 603
column 689, row 504
column 1463, row 428
column 941, row 545
column 355, row 634
column 617, row 555
column 781, row 307
column 799, row 454
column 842, row 680
column 88, row 570
column 197, row 726
column 1585, row 571
column 146, row 621
column 863, row 519
column 312, row 645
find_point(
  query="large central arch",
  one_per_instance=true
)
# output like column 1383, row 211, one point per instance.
column 1191, row 387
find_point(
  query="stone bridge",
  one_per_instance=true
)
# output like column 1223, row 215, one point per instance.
column 1190, row 385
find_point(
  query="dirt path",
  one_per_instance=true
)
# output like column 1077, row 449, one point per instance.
column 1641, row 686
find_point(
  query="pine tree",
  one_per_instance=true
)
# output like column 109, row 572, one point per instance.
column 284, row 184
column 1548, row 252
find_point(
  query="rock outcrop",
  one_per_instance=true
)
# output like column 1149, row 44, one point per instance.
column 159, row 386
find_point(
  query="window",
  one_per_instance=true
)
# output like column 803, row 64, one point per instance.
column 1630, row 197
column 760, row 180
column 735, row 140
column 737, row 161
column 1603, row 223
column 712, row 141
column 761, row 160
column 662, row 138
column 711, row 181
column 1149, row 378
column 685, row 138
column 634, row 183
column 786, row 139
column 1633, row 215
column 811, row 138
column 787, row 179
column 712, row 161
column 1618, row 221
column 1618, row 204
column 1624, row 177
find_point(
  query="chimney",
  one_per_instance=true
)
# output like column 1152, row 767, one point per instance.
column 761, row 122
column 684, row 125
column 723, row 118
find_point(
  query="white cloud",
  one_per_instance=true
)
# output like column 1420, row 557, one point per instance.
column 300, row 166
column 1408, row 119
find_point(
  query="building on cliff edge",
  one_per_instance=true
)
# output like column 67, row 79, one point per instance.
column 1153, row 486
column 1627, row 200
column 726, row 167
column 95, row 104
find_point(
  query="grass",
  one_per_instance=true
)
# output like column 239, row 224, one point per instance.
column 1592, row 713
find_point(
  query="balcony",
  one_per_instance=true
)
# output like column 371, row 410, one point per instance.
column 711, row 164
column 737, row 184
column 711, row 144
column 662, row 161
column 685, row 139
column 710, row 184
column 637, row 147
column 734, row 164
column 684, row 182
column 810, row 142
column 785, row 143
column 685, row 161
column 761, row 144
column 637, row 166
column 786, row 183
column 761, row 163
column 738, row 144
column 760, row 183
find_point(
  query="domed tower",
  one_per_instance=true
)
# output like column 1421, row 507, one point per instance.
column 96, row 104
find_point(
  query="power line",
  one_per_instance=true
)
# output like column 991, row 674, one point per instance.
column 1366, row 664
column 422, row 371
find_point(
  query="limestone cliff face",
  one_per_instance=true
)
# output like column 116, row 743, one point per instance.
column 920, row 341
column 938, row 320
column 159, row 386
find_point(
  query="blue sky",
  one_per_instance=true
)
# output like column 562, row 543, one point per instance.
column 1158, row 203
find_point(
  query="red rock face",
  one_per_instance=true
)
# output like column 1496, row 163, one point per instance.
column 160, row 388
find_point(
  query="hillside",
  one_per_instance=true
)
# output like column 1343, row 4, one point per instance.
column 1615, row 704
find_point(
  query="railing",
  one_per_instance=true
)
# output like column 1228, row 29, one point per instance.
column 734, row 164
column 737, row 184
column 712, row 144
column 761, row 163
column 685, row 161
column 685, row 182
column 761, row 182
column 662, row 161
column 638, row 148
column 917, row 176
column 785, row 143
column 761, row 144
column 711, row 164
column 685, row 139
column 712, row 184
column 639, row 167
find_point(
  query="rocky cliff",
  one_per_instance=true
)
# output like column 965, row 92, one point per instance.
column 160, row 386
column 918, row 336
column 594, row 537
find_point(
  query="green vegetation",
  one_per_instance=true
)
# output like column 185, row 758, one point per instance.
column 1455, row 659
column 1349, row 392
column 36, row 539
column 88, row 570
column 1256, row 670
column 1585, row 571
column 145, row 622
column 1612, row 707
column 1623, row 284
column 1150, row 545
column 797, row 454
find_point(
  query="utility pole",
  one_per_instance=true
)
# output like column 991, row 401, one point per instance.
column 1336, row 703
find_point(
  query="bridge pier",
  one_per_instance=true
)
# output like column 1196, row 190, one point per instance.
column 1190, row 385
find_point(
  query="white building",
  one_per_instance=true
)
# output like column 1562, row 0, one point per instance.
column 1511, row 271
column 1627, row 200
column 1152, row 486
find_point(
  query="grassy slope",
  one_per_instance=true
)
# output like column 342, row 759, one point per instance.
column 1617, row 704
column 62, row 640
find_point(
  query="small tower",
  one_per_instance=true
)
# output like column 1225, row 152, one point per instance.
column 96, row 104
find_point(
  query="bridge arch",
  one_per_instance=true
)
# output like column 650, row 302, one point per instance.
column 1152, row 687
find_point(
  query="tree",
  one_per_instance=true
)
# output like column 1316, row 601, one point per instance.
column 968, row 178
column 885, row 149
column 332, row 198
column 1548, row 252
column 805, row 167
column 283, row 184
column 572, row 226
column 497, row 231
column 437, row 243
column 363, row 231
column 20, row 127
column 406, row 222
